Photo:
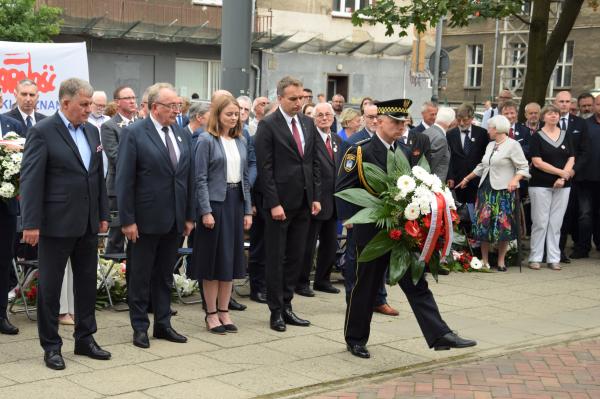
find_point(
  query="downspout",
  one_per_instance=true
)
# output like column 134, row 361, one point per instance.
column 256, row 79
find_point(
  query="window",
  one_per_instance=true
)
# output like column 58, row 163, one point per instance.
column 474, row 67
column 564, row 66
column 197, row 76
column 346, row 7
column 517, row 60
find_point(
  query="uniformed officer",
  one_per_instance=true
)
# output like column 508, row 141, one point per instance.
column 392, row 115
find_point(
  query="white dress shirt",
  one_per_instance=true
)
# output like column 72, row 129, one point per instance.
column 232, row 154
column 161, row 134
column 288, row 120
column 24, row 116
column 98, row 121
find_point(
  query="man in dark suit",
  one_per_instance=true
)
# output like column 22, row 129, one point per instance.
column 154, row 187
column 26, row 96
column 110, row 132
column 8, row 220
column 577, row 132
column 517, row 131
column 64, row 206
column 323, row 226
column 289, row 184
column 428, row 113
column 369, row 274
column 380, row 305
column 467, row 144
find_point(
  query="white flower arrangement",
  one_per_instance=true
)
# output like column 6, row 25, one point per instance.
column 412, row 211
column 10, row 164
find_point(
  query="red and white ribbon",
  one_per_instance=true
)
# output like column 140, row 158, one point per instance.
column 440, row 211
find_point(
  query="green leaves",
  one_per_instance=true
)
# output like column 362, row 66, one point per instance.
column 360, row 197
column 376, row 177
column 402, row 163
column 417, row 270
column 21, row 21
column 378, row 246
column 400, row 261
column 367, row 215
column 424, row 164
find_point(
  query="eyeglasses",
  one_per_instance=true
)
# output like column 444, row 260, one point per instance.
column 99, row 106
column 173, row 106
column 244, row 109
column 127, row 98
column 326, row 115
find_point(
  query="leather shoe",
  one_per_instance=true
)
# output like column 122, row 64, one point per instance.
column 329, row 288
column 359, row 350
column 91, row 349
column 169, row 334
column 452, row 340
column 277, row 322
column 290, row 318
column 579, row 255
column 259, row 297
column 564, row 258
column 54, row 360
column 7, row 328
column 386, row 310
column 140, row 339
column 305, row 291
column 235, row 305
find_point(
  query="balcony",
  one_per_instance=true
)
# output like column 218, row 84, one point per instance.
column 175, row 21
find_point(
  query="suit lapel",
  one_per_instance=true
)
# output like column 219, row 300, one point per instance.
column 322, row 148
column 156, row 140
column 287, row 137
column 66, row 136
column 91, row 140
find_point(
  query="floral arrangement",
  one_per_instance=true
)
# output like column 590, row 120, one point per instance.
column 463, row 261
column 10, row 164
column 30, row 290
column 414, row 211
column 184, row 285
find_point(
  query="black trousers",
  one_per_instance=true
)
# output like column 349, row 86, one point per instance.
column 8, row 232
column 116, row 238
column 152, row 259
column 326, row 232
column 588, row 218
column 53, row 255
column 360, row 309
column 284, row 250
column 256, row 258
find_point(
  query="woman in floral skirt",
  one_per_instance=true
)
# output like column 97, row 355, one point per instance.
column 502, row 167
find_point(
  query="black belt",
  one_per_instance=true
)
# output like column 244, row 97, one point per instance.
column 233, row 185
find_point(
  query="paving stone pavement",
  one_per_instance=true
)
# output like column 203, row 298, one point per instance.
column 569, row 371
column 504, row 312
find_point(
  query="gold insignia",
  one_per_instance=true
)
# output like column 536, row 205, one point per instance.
column 361, row 174
column 349, row 162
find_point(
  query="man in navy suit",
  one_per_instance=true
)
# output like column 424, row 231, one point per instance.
column 64, row 206
column 8, row 220
column 428, row 112
column 155, row 197
column 26, row 95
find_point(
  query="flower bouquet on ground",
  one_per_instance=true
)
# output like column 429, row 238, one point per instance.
column 11, row 155
column 115, row 282
column 414, row 211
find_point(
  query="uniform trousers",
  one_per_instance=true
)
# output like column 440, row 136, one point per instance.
column 151, row 274
column 588, row 220
column 362, row 298
column 284, row 249
column 53, row 255
column 548, row 206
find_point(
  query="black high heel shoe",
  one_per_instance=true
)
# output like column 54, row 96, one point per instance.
column 230, row 328
column 215, row 330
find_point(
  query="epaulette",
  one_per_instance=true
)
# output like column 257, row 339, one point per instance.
column 363, row 141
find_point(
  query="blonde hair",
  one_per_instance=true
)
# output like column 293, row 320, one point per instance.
column 347, row 115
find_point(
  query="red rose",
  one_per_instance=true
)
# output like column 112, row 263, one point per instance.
column 395, row 234
column 412, row 228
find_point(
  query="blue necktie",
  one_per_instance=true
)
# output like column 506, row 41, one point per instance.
column 563, row 123
column 467, row 144
column 180, row 120
column 28, row 122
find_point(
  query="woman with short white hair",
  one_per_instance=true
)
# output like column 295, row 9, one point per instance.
column 502, row 167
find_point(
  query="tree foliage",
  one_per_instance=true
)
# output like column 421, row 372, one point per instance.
column 21, row 21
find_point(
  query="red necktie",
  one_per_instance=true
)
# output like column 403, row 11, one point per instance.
column 296, row 135
column 328, row 145
column 511, row 133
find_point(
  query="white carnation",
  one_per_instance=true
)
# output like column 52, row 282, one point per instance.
column 406, row 183
column 422, row 192
column 7, row 190
column 425, row 207
column 412, row 211
column 476, row 264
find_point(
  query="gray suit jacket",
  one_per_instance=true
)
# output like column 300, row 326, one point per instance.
column 440, row 153
column 110, row 133
column 211, row 172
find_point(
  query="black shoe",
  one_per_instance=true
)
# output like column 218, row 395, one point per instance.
column 442, row 271
column 91, row 349
column 7, row 328
column 277, row 322
column 230, row 328
column 54, row 360
column 359, row 351
column 579, row 255
column 173, row 312
column 235, row 305
column 564, row 258
column 452, row 340
column 305, row 291
column 329, row 288
column 290, row 318
column 220, row 329
column 258, row 297
column 169, row 334
column 140, row 339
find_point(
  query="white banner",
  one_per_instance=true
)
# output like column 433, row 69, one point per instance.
column 47, row 64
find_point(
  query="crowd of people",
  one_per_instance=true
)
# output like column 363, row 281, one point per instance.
column 216, row 171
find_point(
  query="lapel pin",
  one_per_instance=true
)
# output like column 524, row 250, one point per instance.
column 473, row 139
column 179, row 138
column 563, row 147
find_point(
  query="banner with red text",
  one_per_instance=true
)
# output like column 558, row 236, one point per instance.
column 47, row 64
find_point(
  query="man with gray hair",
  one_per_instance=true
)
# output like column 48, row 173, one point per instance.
column 97, row 117
column 258, row 108
column 429, row 111
column 198, row 115
column 439, row 159
column 26, row 96
column 503, row 96
column 63, row 209
column 245, row 104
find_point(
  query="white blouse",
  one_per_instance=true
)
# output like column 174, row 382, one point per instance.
column 232, row 156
